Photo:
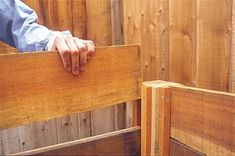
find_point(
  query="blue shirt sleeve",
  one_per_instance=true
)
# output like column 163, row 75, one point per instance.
column 19, row 27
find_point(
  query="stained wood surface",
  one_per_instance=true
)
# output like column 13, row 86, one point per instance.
column 47, row 10
column 232, row 54
column 146, row 120
column 201, row 119
column 123, row 142
column 207, row 116
column 214, row 43
column 147, row 23
column 155, row 123
column 183, row 41
column 163, row 118
column 33, row 91
column 179, row 149
column 99, row 21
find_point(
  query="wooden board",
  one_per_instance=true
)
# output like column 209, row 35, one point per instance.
column 179, row 149
column 232, row 54
column 123, row 142
column 183, row 41
column 79, row 14
column 57, row 15
column 214, row 43
column 38, row 6
column 147, row 23
column 209, row 117
column 99, row 21
column 155, row 121
column 32, row 90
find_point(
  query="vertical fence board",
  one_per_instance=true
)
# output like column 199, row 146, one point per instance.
column 183, row 41
column 214, row 25
column 45, row 133
column 84, row 121
column 99, row 21
column 102, row 120
column 37, row 5
column 116, row 22
column 99, row 30
column 147, row 23
column 67, row 128
column 26, row 138
column 58, row 15
column 1, row 145
column 163, row 23
column 232, row 54
column 11, row 140
column 79, row 18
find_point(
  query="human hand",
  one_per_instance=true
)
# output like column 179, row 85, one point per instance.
column 74, row 52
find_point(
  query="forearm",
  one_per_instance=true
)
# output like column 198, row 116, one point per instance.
column 20, row 28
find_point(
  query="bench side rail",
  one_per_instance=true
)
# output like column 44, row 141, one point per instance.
column 35, row 87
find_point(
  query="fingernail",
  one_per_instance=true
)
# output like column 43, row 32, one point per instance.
column 75, row 72
column 88, row 57
column 68, row 68
column 82, row 69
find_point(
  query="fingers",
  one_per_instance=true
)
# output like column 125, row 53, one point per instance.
column 74, row 53
column 90, row 48
column 83, row 53
column 64, row 52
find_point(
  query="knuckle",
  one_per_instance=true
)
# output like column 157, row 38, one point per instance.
column 65, row 53
column 75, row 38
column 91, row 42
column 74, row 53
column 68, row 37
column 58, row 39
column 82, row 48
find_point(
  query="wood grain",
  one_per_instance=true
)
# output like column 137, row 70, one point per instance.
column 163, row 104
column 39, row 90
column 232, row 54
column 155, row 121
column 201, row 119
column 214, row 43
column 99, row 22
column 147, row 23
column 146, row 120
column 116, row 22
column 1, row 145
column 79, row 14
column 84, row 123
column 38, row 6
column 123, row 142
column 57, row 15
column 179, row 149
column 207, row 116
column 183, row 41
column 67, row 128
column 45, row 133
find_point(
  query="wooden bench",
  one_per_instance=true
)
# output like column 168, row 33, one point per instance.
column 175, row 119
column 35, row 87
column 179, row 120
